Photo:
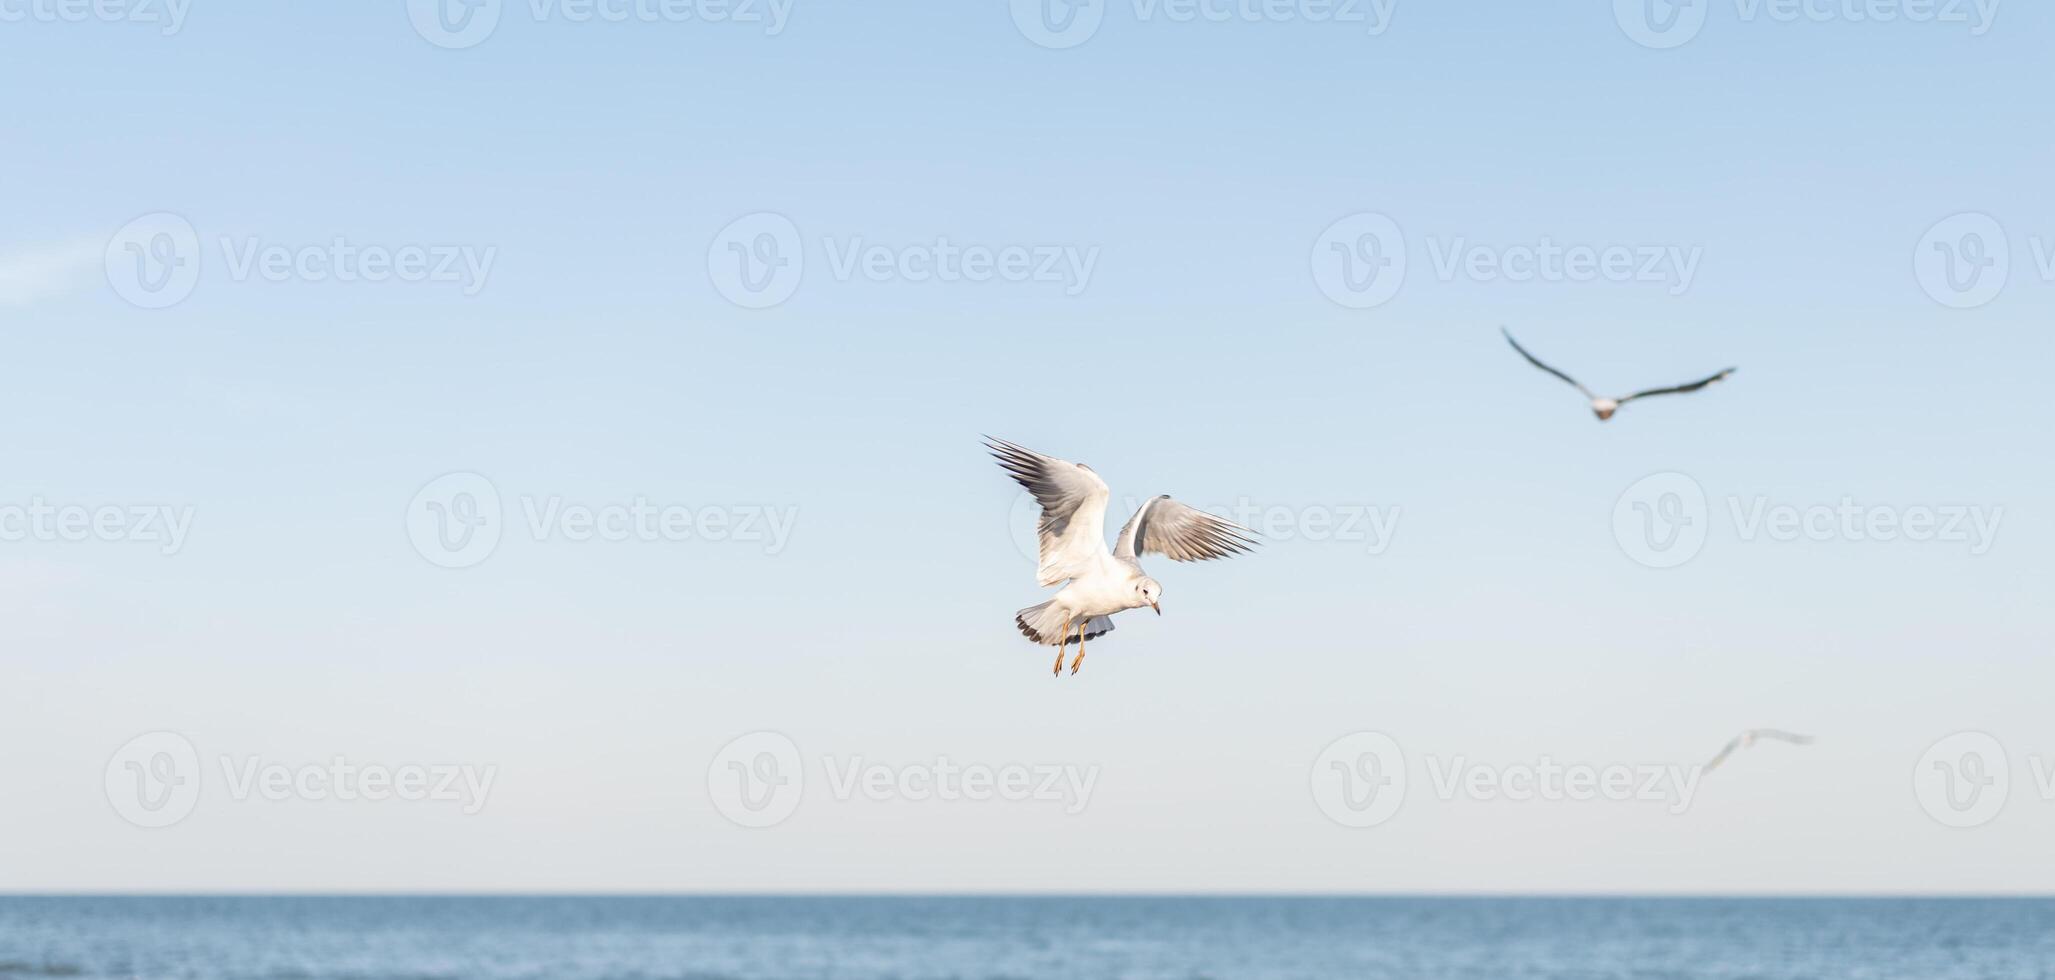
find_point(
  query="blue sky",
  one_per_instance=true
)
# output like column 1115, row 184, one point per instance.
column 598, row 363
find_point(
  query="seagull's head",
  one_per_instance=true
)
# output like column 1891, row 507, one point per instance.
column 1604, row 408
column 1146, row 593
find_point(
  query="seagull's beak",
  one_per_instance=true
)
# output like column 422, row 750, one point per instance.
column 1159, row 609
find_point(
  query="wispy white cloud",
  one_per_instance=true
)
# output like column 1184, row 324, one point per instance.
column 32, row 274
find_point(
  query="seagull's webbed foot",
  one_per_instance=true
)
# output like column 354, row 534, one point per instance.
column 1080, row 653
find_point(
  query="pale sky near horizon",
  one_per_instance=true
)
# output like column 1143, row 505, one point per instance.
column 521, row 261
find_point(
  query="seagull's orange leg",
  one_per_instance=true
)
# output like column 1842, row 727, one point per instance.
column 1061, row 642
column 1080, row 650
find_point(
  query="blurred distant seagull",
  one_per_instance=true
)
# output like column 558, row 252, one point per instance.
column 1072, row 532
column 1750, row 737
column 1605, row 407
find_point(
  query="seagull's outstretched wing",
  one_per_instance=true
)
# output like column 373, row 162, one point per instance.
column 1073, row 498
column 1732, row 744
column 1750, row 737
column 1680, row 389
column 1531, row 359
column 1165, row 527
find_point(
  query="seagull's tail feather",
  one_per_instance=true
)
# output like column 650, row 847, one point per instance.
column 1043, row 624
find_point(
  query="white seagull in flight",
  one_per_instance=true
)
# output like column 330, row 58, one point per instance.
column 1605, row 407
column 1072, row 532
column 1750, row 737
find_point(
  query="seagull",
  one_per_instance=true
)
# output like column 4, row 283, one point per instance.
column 1072, row 532
column 1605, row 407
column 1749, row 738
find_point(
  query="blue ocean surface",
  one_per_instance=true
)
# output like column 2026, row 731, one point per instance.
column 959, row 938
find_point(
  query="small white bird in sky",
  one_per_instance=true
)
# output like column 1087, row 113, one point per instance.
column 1072, row 533
column 1605, row 407
column 1750, row 737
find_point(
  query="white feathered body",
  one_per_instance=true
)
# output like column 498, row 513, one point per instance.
column 1087, row 603
column 1107, row 589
